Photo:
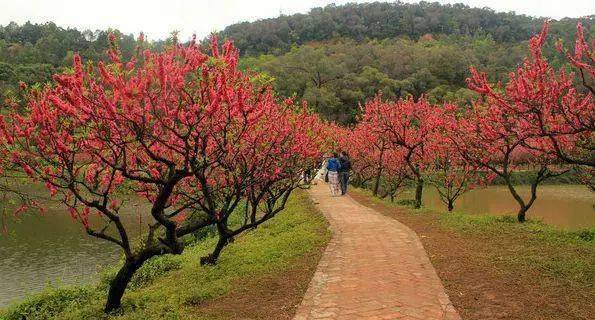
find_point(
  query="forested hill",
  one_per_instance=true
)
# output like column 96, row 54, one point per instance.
column 382, row 20
column 335, row 57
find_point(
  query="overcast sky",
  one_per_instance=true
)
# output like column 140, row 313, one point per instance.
column 158, row 18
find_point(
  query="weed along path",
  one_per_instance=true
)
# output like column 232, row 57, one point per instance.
column 373, row 268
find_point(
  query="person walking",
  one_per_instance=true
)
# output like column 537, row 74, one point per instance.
column 345, row 163
column 333, row 166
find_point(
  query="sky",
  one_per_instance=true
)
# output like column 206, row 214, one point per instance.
column 158, row 18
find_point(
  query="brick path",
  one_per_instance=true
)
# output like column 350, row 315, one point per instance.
column 373, row 268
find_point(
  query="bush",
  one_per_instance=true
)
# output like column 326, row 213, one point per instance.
column 507, row 219
column 49, row 303
column 406, row 202
column 586, row 235
column 152, row 269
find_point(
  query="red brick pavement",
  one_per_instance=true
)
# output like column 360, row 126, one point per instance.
column 373, row 268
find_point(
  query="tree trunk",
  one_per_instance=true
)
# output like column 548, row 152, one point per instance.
column 521, row 214
column 378, row 172
column 120, row 282
column 376, row 185
column 450, row 205
column 211, row 259
column 419, row 188
column 524, row 206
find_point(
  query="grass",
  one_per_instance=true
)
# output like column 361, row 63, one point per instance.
column 526, row 177
column 177, row 287
column 495, row 267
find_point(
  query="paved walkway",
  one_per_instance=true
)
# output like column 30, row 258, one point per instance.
column 373, row 268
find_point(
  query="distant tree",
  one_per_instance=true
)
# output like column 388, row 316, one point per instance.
column 309, row 73
column 448, row 170
column 408, row 126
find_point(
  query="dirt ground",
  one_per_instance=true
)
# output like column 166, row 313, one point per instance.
column 486, row 279
column 271, row 296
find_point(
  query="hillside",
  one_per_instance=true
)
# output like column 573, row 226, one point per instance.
column 382, row 20
column 334, row 58
column 337, row 57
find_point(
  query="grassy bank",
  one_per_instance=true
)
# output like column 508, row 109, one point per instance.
column 262, row 275
column 495, row 268
column 526, row 177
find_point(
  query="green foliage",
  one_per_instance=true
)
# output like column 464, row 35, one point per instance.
column 150, row 270
column 173, row 287
column 525, row 177
column 507, row 219
column 335, row 57
column 153, row 269
column 32, row 53
column 7, row 72
column 382, row 20
column 49, row 303
column 587, row 235
column 405, row 202
column 336, row 77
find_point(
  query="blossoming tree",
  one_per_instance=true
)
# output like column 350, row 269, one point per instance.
column 177, row 127
column 539, row 113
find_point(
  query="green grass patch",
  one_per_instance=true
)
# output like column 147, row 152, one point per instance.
column 174, row 287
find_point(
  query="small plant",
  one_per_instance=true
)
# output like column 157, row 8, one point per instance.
column 506, row 219
column 49, row 303
column 406, row 202
column 586, row 235
column 153, row 269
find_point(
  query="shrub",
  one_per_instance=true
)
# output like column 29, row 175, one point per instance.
column 506, row 219
column 49, row 303
column 152, row 269
column 587, row 235
column 406, row 202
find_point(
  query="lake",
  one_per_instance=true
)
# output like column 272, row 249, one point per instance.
column 51, row 248
column 570, row 207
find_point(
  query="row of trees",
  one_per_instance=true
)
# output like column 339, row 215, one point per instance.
column 185, row 130
column 540, row 117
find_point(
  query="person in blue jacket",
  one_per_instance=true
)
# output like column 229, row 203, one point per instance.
column 345, row 163
column 333, row 166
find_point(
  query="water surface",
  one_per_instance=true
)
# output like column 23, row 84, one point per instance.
column 570, row 207
column 40, row 249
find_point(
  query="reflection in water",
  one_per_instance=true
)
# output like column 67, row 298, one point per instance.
column 40, row 249
column 569, row 207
